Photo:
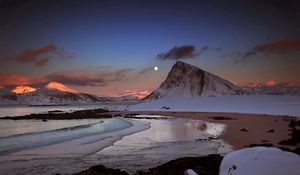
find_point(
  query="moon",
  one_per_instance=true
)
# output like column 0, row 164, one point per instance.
column 155, row 68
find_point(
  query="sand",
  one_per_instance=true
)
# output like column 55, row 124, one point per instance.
column 241, row 130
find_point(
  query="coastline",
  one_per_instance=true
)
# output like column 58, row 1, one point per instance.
column 242, row 130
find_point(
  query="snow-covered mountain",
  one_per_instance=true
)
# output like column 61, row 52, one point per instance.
column 53, row 93
column 185, row 80
column 7, row 97
column 124, row 98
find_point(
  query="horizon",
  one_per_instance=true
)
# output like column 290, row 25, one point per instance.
column 110, row 49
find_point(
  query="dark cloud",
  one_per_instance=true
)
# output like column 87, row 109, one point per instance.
column 146, row 70
column 204, row 48
column 67, row 77
column 82, row 80
column 275, row 47
column 41, row 56
column 176, row 53
column 98, row 79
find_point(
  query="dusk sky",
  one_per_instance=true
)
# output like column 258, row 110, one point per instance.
column 110, row 47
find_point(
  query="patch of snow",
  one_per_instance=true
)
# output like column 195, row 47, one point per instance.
column 190, row 172
column 260, row 161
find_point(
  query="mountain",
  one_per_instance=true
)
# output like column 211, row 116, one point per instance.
column 7, row 97
column 125, row 98
column 53, row 93
column 185, row 80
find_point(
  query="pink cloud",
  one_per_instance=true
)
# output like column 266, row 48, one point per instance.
column 139, row 94
column 270, row 83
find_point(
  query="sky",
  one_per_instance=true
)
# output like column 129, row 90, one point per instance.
column 110, row 47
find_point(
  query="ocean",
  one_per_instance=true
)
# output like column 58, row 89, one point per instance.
column 18, row 135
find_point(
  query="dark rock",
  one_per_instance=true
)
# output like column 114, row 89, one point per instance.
column 295, row 135
column 244, row 130
column 271, row 131
column 221, row 118
column 83, row 114
column 289, row 142
column 202, row 165
column 297, row 151
column 261, row 144
column 164, row 107
column 101, row 170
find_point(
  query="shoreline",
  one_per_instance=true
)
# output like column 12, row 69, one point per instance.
column 242, row 130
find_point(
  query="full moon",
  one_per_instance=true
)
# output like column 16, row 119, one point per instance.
column 155, row 68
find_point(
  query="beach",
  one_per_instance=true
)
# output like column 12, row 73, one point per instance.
column 155, row 138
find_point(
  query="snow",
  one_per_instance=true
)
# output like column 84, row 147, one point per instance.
column 252, row 104
column 186, row 80
column 260, row 161
column 190, row 172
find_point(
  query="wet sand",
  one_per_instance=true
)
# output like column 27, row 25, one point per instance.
column 242, row 130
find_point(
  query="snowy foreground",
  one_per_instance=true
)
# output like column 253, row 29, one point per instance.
column 260, row 161
column 252, row 104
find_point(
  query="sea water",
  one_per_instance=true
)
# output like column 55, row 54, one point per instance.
column 17, row 135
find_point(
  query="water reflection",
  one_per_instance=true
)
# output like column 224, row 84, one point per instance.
column 165, row 131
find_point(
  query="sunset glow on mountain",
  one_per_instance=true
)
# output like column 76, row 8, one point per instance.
column 23, row 89
column 60, row 87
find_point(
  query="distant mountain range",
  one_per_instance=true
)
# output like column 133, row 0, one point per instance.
column 185, row 80
column 53, row 93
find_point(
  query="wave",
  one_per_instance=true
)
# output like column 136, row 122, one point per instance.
column 55, row 130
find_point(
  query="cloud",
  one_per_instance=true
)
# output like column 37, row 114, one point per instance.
column 270, row 83
column 9, row 79
column 146, row 70
column 83, row 79
column 275, row 47
column 139, row 94
column 68, row 77
column 182, row 52
column 41, row 56
column 204, row 49
column 13, row 79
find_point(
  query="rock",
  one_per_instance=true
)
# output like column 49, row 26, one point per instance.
column 101, row 170
column 244, row 130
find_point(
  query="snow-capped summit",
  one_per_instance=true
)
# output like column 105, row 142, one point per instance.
column 60, row 87
column 23, row 89
column 54, row 93
column 185, row 80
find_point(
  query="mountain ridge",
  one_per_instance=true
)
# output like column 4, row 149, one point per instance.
column 54, row 93
column 187, row 80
